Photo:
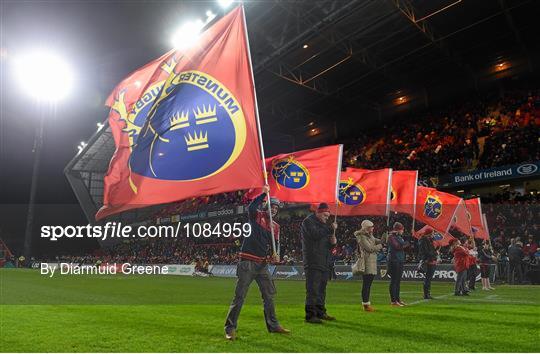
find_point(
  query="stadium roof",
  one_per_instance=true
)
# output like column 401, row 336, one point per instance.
column 321, row 66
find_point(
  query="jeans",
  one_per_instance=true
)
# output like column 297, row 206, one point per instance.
column 430, row 271
column 316, row 281
column 460, row 282
column 247, row 271
column 367, row 279
column 395, row 270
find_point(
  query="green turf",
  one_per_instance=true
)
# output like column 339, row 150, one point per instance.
column 175, row 313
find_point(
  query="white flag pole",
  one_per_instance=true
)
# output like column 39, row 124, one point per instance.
column 338, row 178
column 388, row 199
column 414, row 203
column 274, row 250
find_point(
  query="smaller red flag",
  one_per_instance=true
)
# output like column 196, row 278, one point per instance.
column 474, row 209
column 440, row 239
column 461, row 219
column 481, row 232
column 435, row 208
column 307, row 176
column 403, row 194
column 363, row 192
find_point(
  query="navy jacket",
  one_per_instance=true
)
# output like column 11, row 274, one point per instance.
column 258, row 245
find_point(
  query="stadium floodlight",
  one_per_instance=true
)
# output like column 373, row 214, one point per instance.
column 44, row 75
column 225, row 3
column 210, row 16
column 187, row 34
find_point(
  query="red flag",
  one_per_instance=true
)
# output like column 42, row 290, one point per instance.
column 308, row 176
column 403, row 194
column 199, row 135
column 435, row 208
column 461, row 220
column 363, row 192
column 474, row 209
column 481, row 232
column 440, row 239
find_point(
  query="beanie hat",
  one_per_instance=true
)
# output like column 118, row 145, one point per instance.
column 398, row 226
column 322, row 208
column 366, row 223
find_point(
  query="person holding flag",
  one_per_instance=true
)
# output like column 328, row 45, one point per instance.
column 428, row 257
column 396, row 259
column 253, row 265
column 318, row 239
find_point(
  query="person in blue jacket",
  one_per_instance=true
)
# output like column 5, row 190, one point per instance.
column 253, row 265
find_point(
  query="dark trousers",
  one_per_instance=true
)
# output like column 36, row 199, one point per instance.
column 395, row 270
column 367, row 279
column 430, row 271
column 316, row 281
column 472, row 272
column 515, row 268
column 246, row 272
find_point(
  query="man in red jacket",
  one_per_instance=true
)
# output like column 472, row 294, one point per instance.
column 461, row 257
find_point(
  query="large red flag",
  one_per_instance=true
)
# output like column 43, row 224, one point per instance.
column 435, row 208
column 200, row 135
column 461, row 219
column 403, row 194
column 308, row 176
column 363, row 192
column 440, row 239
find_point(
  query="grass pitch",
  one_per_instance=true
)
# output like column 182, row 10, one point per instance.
column 174, row 313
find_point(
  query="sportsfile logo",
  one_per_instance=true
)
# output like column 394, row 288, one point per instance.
column 117, row 230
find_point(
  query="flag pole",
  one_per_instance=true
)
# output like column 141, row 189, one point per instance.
column 274, row 250
column 388, row 199
column 338, row 177
column 414, row 203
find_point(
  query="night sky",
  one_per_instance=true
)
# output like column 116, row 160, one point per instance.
column 103, row 41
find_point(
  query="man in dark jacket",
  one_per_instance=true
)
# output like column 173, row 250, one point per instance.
column 253, row 266
column 428, row 256
column 396, row 259
column 318, row 239
column 515, row 258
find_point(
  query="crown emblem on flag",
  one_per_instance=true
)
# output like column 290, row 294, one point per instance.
column 179, row 120
column 206, row 115
column 197, row 141
column 296, row 176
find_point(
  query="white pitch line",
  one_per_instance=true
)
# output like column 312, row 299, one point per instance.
column 426, row 300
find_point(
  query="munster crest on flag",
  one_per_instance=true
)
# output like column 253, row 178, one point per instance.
column 435, row 208
column 200, row 135
column 363, row 192
column 307, row 176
